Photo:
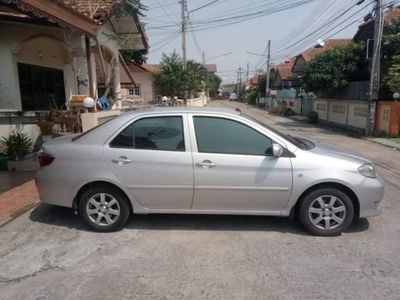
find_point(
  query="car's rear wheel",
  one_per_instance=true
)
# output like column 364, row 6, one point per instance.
column 104, row 209
column 326, row 212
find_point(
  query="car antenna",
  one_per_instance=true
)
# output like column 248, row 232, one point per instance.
column 238, row 109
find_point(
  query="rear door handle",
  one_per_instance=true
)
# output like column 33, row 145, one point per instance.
column 122, row 160
column 206, row 164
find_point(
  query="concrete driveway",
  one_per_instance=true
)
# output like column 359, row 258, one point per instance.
column 47, row 253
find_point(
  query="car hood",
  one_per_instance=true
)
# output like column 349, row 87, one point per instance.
column 337, row 152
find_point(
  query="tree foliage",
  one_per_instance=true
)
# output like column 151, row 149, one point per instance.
column 392, row 78
column 213, row 84
column 131, row 8
column 138, row 56
column 391, row 56
column 335, row 67
column 391, row 40
column 262, row 83
column 172, row 80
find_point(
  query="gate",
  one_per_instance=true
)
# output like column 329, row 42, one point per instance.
column 306, row 104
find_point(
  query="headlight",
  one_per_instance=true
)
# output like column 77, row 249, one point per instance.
column 367, row 170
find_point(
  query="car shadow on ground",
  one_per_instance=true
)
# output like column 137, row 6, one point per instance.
column 65, row 217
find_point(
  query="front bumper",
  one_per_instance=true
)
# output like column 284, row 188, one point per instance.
column 370, row 193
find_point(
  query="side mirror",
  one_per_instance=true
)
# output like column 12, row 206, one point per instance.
column 277, row 150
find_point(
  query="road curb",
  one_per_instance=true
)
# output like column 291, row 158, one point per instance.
column 17, row 214
column 382, row 144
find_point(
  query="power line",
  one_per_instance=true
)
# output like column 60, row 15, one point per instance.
column 332, row 21
column 204, row 6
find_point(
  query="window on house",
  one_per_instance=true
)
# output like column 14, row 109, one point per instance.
column 41, row 88
column 135, row 90
column 321, row 106
column 338, row 109
column 361, row 111
column 386, row 115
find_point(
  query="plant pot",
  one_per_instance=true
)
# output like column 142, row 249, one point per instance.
column 22, row 165
column 3, row 163
column 46, row 128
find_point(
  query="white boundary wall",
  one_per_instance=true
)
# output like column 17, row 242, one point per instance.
column 343, row 112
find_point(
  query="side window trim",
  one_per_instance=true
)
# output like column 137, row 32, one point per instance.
column 193, row 116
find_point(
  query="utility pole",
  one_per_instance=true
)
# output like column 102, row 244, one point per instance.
column 376, row 66
column 240, row 82
column 184, row 26
column 267, row 87
column 247, row 71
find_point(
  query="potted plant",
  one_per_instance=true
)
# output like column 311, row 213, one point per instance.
column 18, row 145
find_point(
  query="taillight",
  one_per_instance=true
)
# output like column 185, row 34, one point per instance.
column 45, row 159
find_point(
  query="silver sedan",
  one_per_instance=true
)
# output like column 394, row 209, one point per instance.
column 199, row 161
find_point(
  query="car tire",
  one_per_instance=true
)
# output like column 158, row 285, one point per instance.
column 326, row 212
column 104, row 209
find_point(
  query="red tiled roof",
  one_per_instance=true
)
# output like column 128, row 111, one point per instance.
column 211, row 68
column 151, row 68
column 331, row 43
column 285, row 69
column 96, row 10
column 392, row 14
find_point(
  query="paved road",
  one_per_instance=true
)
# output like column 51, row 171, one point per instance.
column 48, row 254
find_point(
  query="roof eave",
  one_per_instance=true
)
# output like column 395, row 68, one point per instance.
column 57, row 13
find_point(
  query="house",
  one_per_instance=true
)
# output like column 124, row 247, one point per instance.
column 283, row 76
column 143, row 88
column 52, row 50
column 252, row 82
column 303, row 58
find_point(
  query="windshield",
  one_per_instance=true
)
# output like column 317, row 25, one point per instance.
column 297, row 141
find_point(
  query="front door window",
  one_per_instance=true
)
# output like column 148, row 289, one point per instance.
column 218, row 135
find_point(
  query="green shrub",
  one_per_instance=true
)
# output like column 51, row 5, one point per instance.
column 17, row 145
column 288, row 112
column 313, row 117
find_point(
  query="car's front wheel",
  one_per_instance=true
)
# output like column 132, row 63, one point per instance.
column 104, row 209
column 326, row 212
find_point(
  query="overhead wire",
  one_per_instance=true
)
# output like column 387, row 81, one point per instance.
column 325, row 28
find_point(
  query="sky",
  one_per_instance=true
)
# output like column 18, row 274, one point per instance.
column 292, row 26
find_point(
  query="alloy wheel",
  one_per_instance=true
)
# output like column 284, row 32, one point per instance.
column 327, row 212
column 103, row 209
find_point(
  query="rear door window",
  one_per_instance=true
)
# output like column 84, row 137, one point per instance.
column 153, row 133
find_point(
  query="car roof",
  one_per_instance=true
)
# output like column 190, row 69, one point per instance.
column 185, row 109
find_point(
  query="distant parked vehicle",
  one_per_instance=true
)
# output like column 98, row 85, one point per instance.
column 233, row 97
column 198, row 161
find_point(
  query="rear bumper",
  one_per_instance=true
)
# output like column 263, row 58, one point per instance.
column 370, row 193
column 53, row 190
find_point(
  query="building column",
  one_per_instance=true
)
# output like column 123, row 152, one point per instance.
column 116, row 77
column 76, row 47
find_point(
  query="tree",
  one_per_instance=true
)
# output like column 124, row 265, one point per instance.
column 138, row 56
column 172, row 80
column 336, row 67
column 262, row 83
column 392, row 77
column 391, row 41
column 213, row 84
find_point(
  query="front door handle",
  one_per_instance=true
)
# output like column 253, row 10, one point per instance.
column 206, row 164
column 122, row 160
